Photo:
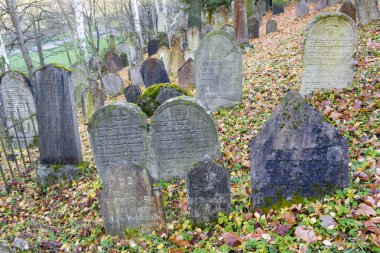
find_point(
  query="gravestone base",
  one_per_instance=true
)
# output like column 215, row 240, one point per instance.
column 51, row 174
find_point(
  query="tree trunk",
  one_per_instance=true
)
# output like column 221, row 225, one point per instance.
column 3, row 54
column 135, row 11
column 37, row 32
column 80, row 30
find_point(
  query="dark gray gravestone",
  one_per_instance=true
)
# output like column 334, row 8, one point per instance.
column 295, row 154
column 277, row 6
column 320, row 4
column 271, row 26
column 153, row 72
column 186, row 75
column 134, row 74
column 112, row 84
column 132, row 93
column 302, row 9
column 92, row 100
column 367, row 10
column 208, row 191
column 349, row 9
column 253, row 27
column 167, row 93
column 153, row 46
column 128, row 200
column 118, row 132
column 112, row 62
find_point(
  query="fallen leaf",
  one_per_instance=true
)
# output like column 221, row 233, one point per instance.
column 327, row 222
column 282, row 229
column 370, row 226
column 308, row 235
column 232, row 239
column 365, row 210
column 290, row 218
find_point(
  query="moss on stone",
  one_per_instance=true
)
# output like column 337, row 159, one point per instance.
column 153, row 90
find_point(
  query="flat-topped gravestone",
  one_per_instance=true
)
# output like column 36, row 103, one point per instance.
column 118, row 132
column 153, row 46
column 128, row 200
column 349, row 9
column 253, row 27
column 112, row 84
column 193, row 37
column 297, row 154
column 132, row 93
column 92, row 100
column 271, row 26
column 153, row 72
column 183, row 131
column 302, row 9
column 328, row 57
column 367, row 10
column 277, row 6
column 218, row 71
column 176, row 53
column 17, row 102
column 208, row 191
column 163, row 54
column 112, row 62
column 240, row 23
column 134, row 73
column 186, row 75
column 320, row 4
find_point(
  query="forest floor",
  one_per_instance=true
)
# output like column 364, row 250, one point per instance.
column 67, row 217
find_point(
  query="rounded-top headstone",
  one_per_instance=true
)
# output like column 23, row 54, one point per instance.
column 153, row 72
column 112, row 62
column 112, row 84
column 348, row 8
column 253, row 27
column 271, row 26
column 302, row 9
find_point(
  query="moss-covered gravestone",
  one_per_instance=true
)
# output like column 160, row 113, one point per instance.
column 296, row 154
column 92, row 100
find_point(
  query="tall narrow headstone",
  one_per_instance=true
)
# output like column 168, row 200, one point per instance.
column 134, row 53
column 208, row 191
column 193, row 37
column 163, row 54
column 80, row 81
column 112, row 62
column 195, row 20
column 134, row 73
column 153, row 72
column 297, row 154
column 186, row 75
column 367, row 10
column 349, row 9
column 240, row 23
column 218, row 71
column 277, row 6
column 253, row 28
column 176, row 53
column 326, row 64
column 92, row 100
column 112, row 84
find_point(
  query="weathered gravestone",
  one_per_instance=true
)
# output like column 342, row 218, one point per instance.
column 112, row 84
column 112, row 62
column 122, row 47
column 349, row 9
column 59, row 141
column 176, row 53
column 92, row 100
column 367, row 10
column 17, row 103
column 302, row 9
column 253, row 27
column 153, row 47
column 163, row 54
column 79, row 76
column 296, row 154
column 277, row 6
column 229, row 29
column 112, row 43
column 271, row 26
column 128, row 200
column 320, row 4
column 153, row 72
column 208, row 191
column 218, row 71
column 132, row 93
column 240, row 23
column 134, row 73
column 330, row 44
column 186, row 75
column 193, row 37
column 93, row 64
column 161, row 22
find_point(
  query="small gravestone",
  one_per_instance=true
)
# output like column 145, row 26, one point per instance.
column 367, row 11
column 229, row 29
column 253, row 27
column 153, row 72
column 189, row 54
column 112, row 62
column 240, row 23
column 349, row 9
column 92, row 100
column 326, row 64
column 132, row 93
column 208, row 191
column 176, row 53
column 94, row 64
column 128, row 200
column 112, row 84
column 277, row 6
column 186, row 75
column 59, row 141
column 193, row 37
column 218, row 71
column 320, row 4
column 153, row 47
column 271, row 26
column 297, row 154
column 167, row 93
column 134, row 73
column 80, row 81
column 163, row 54
column 302, row 9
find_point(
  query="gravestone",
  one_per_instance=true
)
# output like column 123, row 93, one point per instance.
column 112, row 62
column 118, row 132
column 132, row 93
column 80, row 81
column 326, row 64
column 183, row 131
column 112, row 43
column 161, row 22
column 94, row 64
column 367, row 11
column 134, row 73
column 240, row 23
column 189, row 54
column 320, row 4
column 92, row 100
column 221, row 16
column 112, row 84
column 193, row 37
column 349, row 9
column 176, row 53
column 208, row 191
column 229, row 29
column 218, row 71
column 186, row 75
column 153, row 72
column 122, row 47
column 271, row 26
column 163, row 54
column 297, row 154
column 277, row 6
column 17, row 102
column 253, row 27
column 128, row 200
column 153, row 47
column 302, row 9
column 134, row 53
column 195, row 16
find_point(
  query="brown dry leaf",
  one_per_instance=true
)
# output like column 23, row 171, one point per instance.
column 308, row 235
column 370, row 226
column 257, row 234
column 327, row 222
column 375, row 220
column 290, row 218
column 335, row 115
column 365, row 210
column 232, row 239
column 180, row 242
column 376, row 240
column 282, row 229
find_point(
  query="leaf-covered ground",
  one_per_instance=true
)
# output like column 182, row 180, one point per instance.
column 67, row 217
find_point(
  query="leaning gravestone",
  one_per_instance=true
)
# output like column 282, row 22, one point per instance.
column 186, row 75
column 112, row 62
column 302, row 9
column 253, row 27
column 271, row 26
column 208, row 191
column 176, row 53
column 59, row 141
column 153, row 72
column 128, row 200
column 153, row 47
column 218, row 71
column 134, row 73
column 17, row 102
column 277, row 6
column 163, row 54
column 328, row 58
column 112, row 84
column 132, row 93
column 367, row 10
column 320, row 4
column 296, row 154
column 92, row 100
column 349, row 9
